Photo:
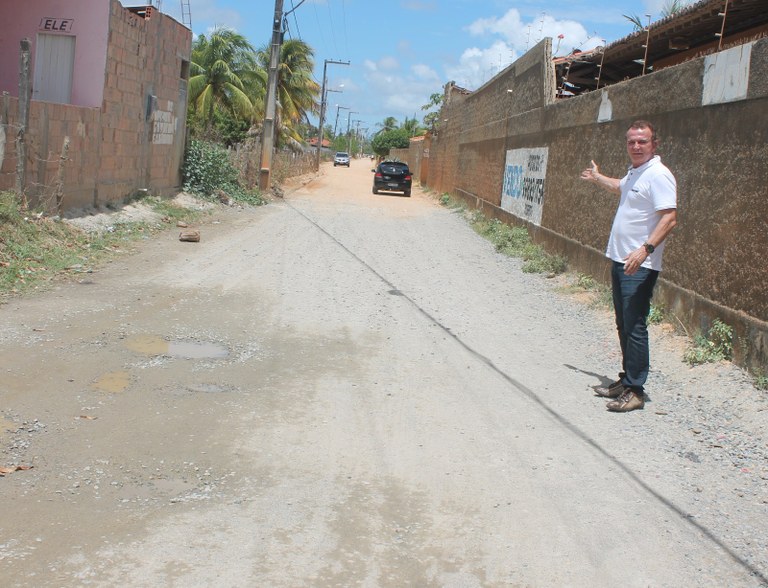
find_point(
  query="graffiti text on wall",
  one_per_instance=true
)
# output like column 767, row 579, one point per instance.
column 525, row 173
column 58, row 25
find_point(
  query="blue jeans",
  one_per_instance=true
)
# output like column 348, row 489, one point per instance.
column 632, row 303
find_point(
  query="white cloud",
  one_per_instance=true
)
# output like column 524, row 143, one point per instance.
column 523, row 35
column 476, row 66
column 510, row 37
column 425, row 73
column 398, row 92
column 388, row 64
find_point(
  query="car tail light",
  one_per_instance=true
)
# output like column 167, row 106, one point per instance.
column 408, row 177
column 378, row 174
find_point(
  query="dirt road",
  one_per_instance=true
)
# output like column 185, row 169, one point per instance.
column 342, row 389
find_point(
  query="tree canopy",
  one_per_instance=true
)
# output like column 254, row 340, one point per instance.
column 224, row 76
column 228, row 84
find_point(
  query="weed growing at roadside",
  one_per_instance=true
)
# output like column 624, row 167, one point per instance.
column 251, row 197
column 541, row 262
column 207, row 170
column 761, row 382
column 35, row 248
column 515, row 242
column 656, row 316
column 716, row 345
column 450, row 202
column 170, row 211
column 586, row 282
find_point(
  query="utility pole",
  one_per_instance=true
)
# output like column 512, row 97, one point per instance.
column 349, row 135
column 336, row 124
column 322, row 108
column 268, row 128
column 357, row 136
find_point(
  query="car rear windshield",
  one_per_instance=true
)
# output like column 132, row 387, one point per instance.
column 394, row 167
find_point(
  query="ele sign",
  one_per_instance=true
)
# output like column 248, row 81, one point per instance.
column 525, row 173
column 56, row 25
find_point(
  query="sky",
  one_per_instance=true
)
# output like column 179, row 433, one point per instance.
column 400, row 52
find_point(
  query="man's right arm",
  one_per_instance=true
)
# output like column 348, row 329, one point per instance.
column 592, row 174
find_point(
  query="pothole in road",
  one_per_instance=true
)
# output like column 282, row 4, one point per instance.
column 395, row 293
column 113, row 382
column 152, row 345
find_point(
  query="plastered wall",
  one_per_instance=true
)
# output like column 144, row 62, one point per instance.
column 84, row 19
column 711, row 118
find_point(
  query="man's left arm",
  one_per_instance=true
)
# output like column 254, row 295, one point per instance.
column 667, row 222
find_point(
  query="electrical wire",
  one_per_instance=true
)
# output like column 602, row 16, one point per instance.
column 332, row 29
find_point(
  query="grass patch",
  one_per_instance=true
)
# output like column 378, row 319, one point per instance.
column 251, row 197
column 34, row 249
column 515, row 242
column 715, row 345
column 600, row 294
column 657, row 315
column 450, row 202
column 761, row 382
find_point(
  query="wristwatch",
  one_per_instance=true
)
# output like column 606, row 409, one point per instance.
column 649, row 248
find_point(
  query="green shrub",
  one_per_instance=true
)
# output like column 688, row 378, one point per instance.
column 207, row 169
column 586, row 282
column 656, row 315
column 716, row 345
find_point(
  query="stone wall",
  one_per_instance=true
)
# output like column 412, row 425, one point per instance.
column 708, row 119
column 135, row 141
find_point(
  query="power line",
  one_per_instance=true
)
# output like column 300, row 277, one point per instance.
column 319, row 25
column 332, row 29
column 344, row 24
column 295, row 19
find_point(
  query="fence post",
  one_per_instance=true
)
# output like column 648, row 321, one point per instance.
column 25, row 97
column 3, row 125
column 60, row 175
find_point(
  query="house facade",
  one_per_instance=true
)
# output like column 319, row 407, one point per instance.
column 109, row 82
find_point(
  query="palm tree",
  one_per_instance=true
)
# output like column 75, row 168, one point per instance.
column 670, row 8
column 297, row 92
column 225, row 76
column 673, row 7
column 413, row 127
column 388, row 124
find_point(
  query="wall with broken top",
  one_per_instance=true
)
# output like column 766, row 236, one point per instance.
column 515, row 150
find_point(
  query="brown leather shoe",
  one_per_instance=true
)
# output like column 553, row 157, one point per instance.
column 629, row 400
column 611, row 391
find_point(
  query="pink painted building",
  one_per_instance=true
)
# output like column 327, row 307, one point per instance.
column 110, row 80
column 69, row 49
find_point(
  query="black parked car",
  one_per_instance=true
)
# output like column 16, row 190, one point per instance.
column 392, row 176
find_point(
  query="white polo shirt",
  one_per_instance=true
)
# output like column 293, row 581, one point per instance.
column 645, row 191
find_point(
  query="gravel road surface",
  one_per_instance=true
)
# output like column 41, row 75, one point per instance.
column 348, row 389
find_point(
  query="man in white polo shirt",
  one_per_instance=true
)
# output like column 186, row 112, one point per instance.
column 646, row 215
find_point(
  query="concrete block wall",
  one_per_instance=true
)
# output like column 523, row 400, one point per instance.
column 717, row 151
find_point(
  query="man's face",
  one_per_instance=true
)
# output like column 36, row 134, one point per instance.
column 640, row 146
